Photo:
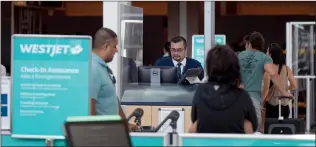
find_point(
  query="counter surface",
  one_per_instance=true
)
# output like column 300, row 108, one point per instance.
column 158, row 95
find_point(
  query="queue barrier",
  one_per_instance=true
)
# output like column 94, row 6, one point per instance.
column 163, row 139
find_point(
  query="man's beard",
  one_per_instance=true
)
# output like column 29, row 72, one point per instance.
column 109, row 60
column 177, row 58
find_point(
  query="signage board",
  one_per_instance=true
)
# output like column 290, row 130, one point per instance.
column 198, row 50
column 50, row 81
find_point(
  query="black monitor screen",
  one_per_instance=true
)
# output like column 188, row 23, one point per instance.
column 110, row 133
column 167, row 74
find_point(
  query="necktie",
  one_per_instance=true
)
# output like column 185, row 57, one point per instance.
column 179, row 70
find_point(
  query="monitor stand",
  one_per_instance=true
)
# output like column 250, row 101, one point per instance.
column 155, row 77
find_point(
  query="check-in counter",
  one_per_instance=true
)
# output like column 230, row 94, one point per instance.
column 151, row 98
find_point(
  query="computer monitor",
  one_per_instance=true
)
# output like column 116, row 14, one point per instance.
column 168, row 74
column 97, row 133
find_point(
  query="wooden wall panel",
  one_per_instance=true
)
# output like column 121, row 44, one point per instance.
column 153, row 39
column 6, row 32
column 83, row 8
column 94, row 8
column 145, row 120
column 276, row 8
column 153, row 8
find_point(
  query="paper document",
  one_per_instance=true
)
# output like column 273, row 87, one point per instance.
column 163, row 113
column 193, row 80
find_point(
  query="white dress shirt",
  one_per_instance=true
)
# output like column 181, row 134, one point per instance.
column 183, row 63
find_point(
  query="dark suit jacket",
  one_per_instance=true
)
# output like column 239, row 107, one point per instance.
column 191, row 63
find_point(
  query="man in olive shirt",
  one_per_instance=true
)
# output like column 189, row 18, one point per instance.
column 253, row 64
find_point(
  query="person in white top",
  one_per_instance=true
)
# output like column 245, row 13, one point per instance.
column 3, row 71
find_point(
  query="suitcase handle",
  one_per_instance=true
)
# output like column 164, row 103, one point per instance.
column 290, row 105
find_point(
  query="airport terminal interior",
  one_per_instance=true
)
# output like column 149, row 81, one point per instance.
column 142, row 85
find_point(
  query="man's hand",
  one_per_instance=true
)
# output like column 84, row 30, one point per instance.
column 133, row 127
column 241, row 86
column 248, row 127
column 193, row 128
column 270, row 69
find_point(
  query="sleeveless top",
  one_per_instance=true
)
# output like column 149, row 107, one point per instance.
column 274, row 93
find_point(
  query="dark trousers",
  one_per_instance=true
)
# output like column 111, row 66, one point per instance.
column 273, row 111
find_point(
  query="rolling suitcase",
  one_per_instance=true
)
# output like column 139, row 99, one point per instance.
column 284, row 126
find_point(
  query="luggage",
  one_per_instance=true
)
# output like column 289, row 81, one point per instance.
column 284, row 126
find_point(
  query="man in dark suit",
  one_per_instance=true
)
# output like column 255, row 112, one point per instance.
column 179, row 59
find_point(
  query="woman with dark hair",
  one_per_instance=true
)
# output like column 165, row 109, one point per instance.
column 220, row 106
column 269, row 92
column 166, row 50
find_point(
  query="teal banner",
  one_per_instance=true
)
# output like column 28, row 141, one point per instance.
column 149, row 139
column 198, row 46
column 244, row 142
column 50, row 79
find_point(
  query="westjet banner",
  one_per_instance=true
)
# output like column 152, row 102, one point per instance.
column 50, row 79
column 198, row 49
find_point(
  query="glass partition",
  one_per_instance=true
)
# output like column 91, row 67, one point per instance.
column 303, row 37
column 300, row 55
column 131, row 47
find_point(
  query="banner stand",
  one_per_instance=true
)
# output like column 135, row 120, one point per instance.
column 198, row 49
column 46, row 70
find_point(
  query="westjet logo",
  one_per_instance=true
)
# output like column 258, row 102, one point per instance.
column 50, row 50
column 199, row 40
